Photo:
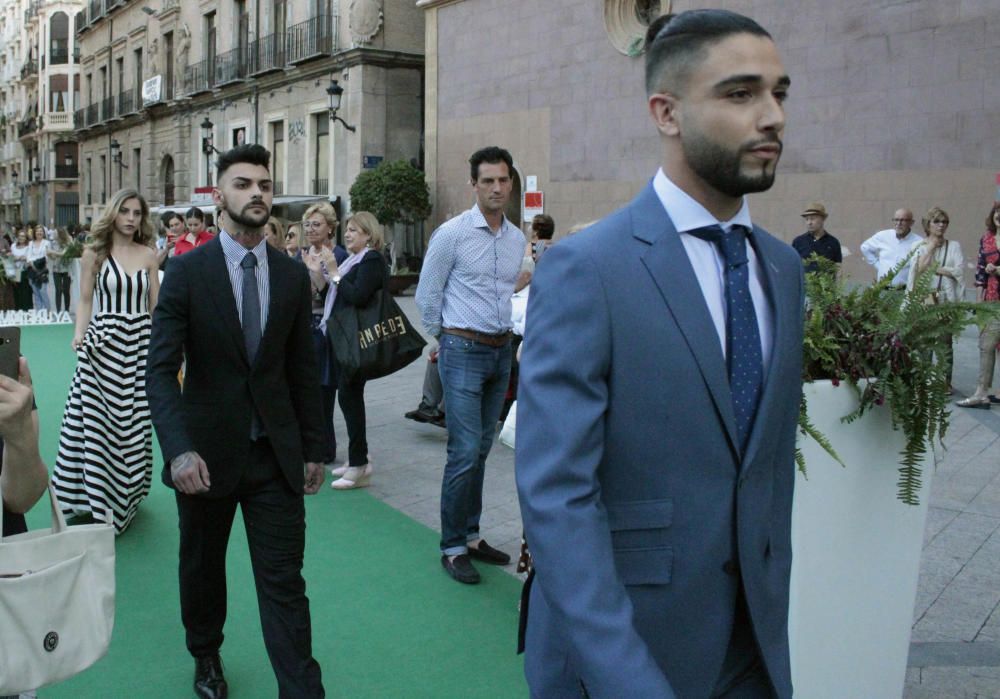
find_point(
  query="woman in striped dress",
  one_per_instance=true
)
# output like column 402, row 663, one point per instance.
column 105, row 462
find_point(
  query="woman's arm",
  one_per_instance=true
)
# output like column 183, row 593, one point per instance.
column 361, row 283
column 85, row 307
column 153, row 270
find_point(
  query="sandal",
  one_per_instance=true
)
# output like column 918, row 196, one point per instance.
column 974, row 402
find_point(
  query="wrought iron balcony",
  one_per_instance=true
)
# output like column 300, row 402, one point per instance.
column 80, row 118
column 29, row 70
column 59, row 56
column 93, row 114
column 126, row 103
column 230, row 66
column 311, row 39
column 267, row 54
column 107, row 108
column 67, row 172
column 198, row 78
column 27, row 127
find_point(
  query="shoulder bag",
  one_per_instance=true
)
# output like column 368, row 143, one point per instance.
column 57, row 602
column 375, row 340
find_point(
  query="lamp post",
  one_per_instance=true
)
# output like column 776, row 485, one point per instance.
column 335, row 94
column 207, row 147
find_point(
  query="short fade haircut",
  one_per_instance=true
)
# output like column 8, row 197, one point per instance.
column 492, row 155
column 252, row 153
column 675, row 44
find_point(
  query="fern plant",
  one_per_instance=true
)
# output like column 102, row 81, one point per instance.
column 884, row 343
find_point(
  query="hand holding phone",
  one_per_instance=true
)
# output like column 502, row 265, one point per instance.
column 10, row 351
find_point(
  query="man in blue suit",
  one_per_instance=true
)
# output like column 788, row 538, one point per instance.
column 659, row 392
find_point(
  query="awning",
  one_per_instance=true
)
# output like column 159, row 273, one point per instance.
column 285, row 200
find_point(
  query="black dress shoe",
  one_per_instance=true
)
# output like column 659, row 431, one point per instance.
column 461, row 569
column 439, row 421
column 423, row 413
column 209, row 682
column 488, row 554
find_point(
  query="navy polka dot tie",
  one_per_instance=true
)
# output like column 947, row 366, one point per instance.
column 743, row 353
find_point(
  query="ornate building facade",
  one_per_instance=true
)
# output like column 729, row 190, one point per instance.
column 39, row 90
column 165, row 83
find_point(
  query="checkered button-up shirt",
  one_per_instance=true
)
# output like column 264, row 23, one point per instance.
column 468, row 275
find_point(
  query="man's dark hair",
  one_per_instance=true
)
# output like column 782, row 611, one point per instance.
column 492, row 155
column 543, row 226
column 675, row 44
column 193, row 212
column 252, row 153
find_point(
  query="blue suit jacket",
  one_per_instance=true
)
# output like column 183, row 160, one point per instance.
column 635, row 498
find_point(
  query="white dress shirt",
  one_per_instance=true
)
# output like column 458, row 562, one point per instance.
column 884, row 250
column 708, row 263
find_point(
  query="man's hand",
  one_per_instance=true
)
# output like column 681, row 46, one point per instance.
column 15, row 404
column 189, row 473
column 314, row 473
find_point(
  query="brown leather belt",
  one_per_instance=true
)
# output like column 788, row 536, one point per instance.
column 491, row 340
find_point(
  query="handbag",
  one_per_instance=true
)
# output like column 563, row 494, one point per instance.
column 38, row 271
column 509, row 426
column 57, row 601
column 374, row 340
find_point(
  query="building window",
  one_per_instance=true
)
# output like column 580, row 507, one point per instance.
column 90, row 183
column 58, row 93
column 104, row 178
column 138, row 73
column 278, row 156
column 168, row 50
column 321, row 153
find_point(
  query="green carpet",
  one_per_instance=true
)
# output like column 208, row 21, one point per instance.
column 387, row 622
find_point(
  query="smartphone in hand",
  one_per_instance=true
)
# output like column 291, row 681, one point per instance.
column 10, row 351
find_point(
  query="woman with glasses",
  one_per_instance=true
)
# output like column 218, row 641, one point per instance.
column 320, row 223
column 944, row 258
column 988, row 283
column 293, row 241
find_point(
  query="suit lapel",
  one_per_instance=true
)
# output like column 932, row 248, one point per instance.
column 783, row 305
column 221, row 291
column 667, row 262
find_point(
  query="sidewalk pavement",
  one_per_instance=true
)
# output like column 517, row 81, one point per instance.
column 955, row 648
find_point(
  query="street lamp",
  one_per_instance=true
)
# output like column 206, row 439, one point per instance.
column 334, row 95
column 116, row 154
column 207, row 147
column 38, row 173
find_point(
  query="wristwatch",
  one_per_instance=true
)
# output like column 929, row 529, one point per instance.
column 335, row 279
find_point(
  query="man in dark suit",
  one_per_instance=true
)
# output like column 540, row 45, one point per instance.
column 238, row 432
column 658, row 402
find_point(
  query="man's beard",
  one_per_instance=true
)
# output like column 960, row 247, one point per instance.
column 721, row 167
column 246, row 217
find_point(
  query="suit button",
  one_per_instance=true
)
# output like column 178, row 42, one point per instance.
column 730, row 568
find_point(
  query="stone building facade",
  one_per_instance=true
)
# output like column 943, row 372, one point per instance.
column 892, row 104
column 257, row 71
column 39, row 90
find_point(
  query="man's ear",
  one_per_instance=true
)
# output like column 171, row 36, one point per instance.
column 217, row 198
column 664, row 107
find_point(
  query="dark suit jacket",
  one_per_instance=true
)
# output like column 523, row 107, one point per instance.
column 638, row 506
column 196, row 317
column 358, row 286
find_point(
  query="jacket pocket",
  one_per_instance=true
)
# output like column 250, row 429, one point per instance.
column 639, row 539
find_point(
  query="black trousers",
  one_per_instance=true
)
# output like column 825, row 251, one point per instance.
column 352, row 405
column 60, row 280
column 274, row 517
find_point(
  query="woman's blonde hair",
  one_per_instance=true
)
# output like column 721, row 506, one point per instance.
column 933, row 213
column 369, row 224
column 101, row 233
column 295, row 230
column 324, row 209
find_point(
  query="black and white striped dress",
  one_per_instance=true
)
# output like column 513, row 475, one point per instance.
column 105, row 460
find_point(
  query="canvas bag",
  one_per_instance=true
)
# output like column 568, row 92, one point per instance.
column 375, row 340
column 57, row 601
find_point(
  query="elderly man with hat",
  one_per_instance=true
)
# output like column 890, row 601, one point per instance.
column 816, row 240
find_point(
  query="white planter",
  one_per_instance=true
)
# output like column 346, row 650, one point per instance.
column 856, row 556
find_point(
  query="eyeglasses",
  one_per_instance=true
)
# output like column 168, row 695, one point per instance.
column 902, row 220
column 313, row 224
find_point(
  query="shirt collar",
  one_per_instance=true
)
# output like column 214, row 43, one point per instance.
column 687, row 214
column 479, row 220
column 235, row 252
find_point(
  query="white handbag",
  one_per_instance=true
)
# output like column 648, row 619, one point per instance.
column 57, row 601
column 509, row 426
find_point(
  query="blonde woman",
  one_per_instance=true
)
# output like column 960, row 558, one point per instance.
column 354, row 282
column 944, row 256
column 105, row 462
column 293, row 241
column 320, row 225
column 275, row 232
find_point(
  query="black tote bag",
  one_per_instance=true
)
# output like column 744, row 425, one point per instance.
column 375, row 340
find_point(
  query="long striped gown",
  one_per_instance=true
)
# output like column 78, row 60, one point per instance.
column 105, row 461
